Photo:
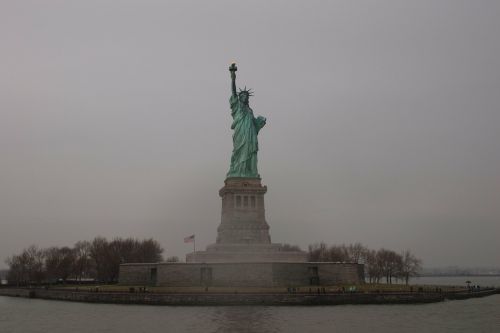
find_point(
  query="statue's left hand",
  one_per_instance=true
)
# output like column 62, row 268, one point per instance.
column 260, row 122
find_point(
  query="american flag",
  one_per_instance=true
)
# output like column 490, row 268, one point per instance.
column 189, row 239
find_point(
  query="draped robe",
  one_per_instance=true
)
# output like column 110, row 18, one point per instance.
column 245, row 145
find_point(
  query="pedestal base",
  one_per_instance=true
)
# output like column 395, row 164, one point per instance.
column 243, row 274
column 218, row 253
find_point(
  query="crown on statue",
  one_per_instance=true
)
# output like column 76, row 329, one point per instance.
column 246, row 91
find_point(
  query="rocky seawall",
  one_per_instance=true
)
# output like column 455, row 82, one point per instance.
column 200, row 299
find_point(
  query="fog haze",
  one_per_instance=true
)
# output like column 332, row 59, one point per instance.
column 383, row 122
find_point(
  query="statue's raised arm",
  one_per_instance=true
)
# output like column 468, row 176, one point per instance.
column 233, row 70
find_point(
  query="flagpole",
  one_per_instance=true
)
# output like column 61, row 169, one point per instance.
column 194, row 248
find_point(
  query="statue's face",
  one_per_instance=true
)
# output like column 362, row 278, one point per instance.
column 244, row 98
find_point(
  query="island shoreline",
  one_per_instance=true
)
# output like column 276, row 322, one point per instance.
column 222, row 299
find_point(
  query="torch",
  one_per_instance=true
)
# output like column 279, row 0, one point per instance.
column 233, row 70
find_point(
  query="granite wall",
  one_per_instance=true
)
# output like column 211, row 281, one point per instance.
column 264, row 274
column 137, row 274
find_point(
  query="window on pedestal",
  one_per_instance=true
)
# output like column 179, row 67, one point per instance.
column 252, row 201
column 152, row 276
column 245, row 201
column 313, row 276
column 238, row 201
column 313, row 271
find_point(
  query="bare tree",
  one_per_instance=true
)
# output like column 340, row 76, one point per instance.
column 410, row 265
column 35, row 263
column 338, row 253
column 99, row 254
column 108, row 256
column 99, row 259
column 321, row 252
column 59, row 263
column 372, row 266
column 289, row 247
column 356, row 252
column 318, row 252
column 17, row 270
column 27, row 267
column 150, row 251
column 83, row 267
column 389, row 263
column 172, row 259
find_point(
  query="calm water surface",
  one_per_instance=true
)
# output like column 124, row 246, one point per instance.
column 491, row 281
column 27, row 316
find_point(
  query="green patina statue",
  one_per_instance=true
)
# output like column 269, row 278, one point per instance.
column 246, row 128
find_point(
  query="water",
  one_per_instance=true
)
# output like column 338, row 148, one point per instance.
column 490, row 281
column 37, row 316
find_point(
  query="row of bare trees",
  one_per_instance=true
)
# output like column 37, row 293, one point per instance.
column 100, row 259
column 379, row 264
column 97, row 260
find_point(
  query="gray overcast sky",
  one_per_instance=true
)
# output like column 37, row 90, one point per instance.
column 383, row 121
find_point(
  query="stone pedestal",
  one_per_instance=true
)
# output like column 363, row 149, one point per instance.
column 243, row 234
column 243, row 218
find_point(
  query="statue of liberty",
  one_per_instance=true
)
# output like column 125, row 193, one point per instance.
column 246, row 128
